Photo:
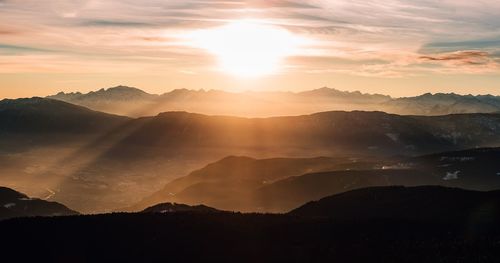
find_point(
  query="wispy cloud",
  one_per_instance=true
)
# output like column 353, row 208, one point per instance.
column 115, row 23
column 469, row 57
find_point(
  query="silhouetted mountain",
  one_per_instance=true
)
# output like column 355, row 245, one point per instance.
column 230, row 237
column 179, row 208
column 40, row 116
column 423, row 203
column 134, row 102
column 14, row 204
column 290, row 193
column 327, row 133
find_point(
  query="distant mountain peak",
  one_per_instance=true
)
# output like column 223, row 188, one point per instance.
column 117, row 94
column 122, row 88
column 353, row 95
column 323, row 90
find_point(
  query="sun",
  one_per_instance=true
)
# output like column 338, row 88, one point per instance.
column 248, row 48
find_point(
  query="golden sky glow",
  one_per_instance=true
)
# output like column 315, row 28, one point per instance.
column 248, row 48
column 396, row 47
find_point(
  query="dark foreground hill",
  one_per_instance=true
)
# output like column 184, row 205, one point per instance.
column 422, row 203
column 233, row 237
column 179, row 208
column 15, row 204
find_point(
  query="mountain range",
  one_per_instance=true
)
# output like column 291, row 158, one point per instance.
column 134, row 102
column 95, row 161
column 337, row 183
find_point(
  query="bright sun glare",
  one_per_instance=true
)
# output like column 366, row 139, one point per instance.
column 248, row 48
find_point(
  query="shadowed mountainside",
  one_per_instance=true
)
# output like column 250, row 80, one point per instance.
column 41, row 116
column 229, row 183
column 324, row 133
column 14, row 204
column 278, row 185
column 423, row 203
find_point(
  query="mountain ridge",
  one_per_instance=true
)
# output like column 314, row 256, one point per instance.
column 280, row 184
column 15, row 204
column 134, row 102
column 41, row 115
column 419, row 203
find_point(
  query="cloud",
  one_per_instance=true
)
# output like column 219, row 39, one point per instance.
column 485, row 44
column 364, row 37
column 471, row 57
column 14, row 49
column 111, row 23
column 465, row 61
column 8, row 32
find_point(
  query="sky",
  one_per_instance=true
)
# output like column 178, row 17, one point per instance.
column 395, row 47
